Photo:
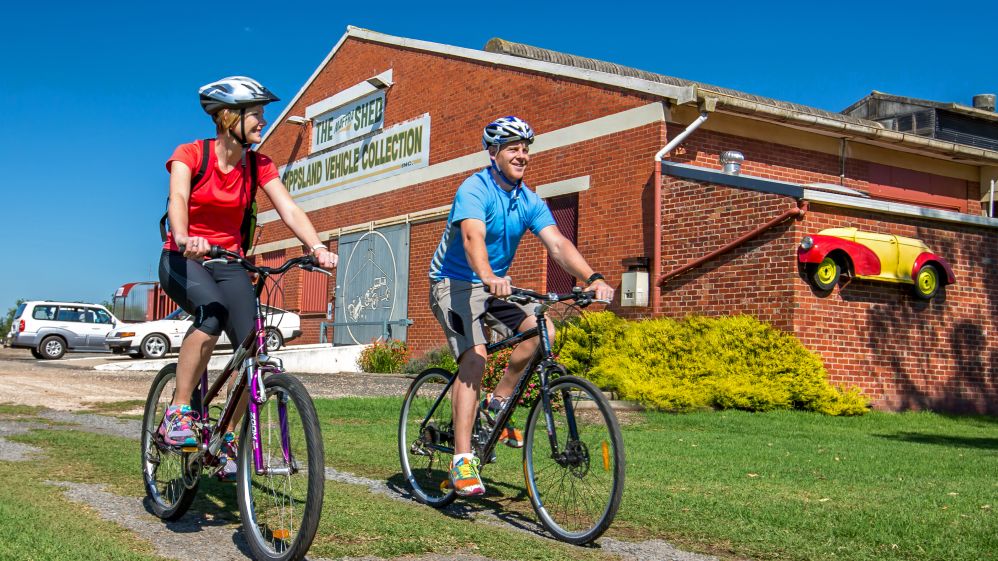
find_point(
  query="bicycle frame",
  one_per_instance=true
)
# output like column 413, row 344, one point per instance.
column 245, row 359
column 543, row 357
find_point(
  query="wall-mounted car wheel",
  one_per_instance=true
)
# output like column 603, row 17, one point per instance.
column 52, row 347
column 273, row 339
column 155, row 346
column 927, row 282
column 825, row 275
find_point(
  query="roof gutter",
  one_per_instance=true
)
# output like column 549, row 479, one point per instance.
column 852, row 130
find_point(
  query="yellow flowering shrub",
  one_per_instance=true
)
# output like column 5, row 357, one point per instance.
column 734, row 362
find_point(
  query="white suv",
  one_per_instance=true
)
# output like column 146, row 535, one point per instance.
column 49, row 329
column 153, row 339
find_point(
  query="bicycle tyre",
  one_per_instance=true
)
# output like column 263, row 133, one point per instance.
column 560, row 487
column 171, row 492
column 416, row 457
column 280, row 511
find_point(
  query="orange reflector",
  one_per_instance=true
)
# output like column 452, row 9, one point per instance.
column 189, row 449
column 526, row 478
column 606, row 456
column 282, row 534
column 445, row 484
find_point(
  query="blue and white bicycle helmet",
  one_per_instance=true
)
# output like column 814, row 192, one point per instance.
column 505, row 130
column 234, row 92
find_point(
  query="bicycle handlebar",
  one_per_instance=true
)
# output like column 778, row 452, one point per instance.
column 306, row 262
column 524, row 296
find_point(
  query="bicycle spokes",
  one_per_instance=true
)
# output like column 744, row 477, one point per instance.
column 573, row 462
column 426, row 437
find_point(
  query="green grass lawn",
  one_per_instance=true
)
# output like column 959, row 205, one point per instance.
column 784, row 485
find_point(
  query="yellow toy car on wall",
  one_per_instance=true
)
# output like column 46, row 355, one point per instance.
column 829, row 254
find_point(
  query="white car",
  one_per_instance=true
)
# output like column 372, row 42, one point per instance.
column 153, row 339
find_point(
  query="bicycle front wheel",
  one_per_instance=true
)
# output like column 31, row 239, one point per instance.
column 426, row 438
column 171, row 476
column 281, row 504
column 575, row 476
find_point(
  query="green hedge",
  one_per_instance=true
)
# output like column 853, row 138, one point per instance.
column 699, row 363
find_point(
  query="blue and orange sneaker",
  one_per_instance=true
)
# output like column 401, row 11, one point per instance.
column 464, row 478
column 490, row 407
column 177, row 428
column 230, row 453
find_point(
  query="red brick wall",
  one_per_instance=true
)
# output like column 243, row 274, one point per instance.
column 788, row 163
column 751, row 279
column 903, row 352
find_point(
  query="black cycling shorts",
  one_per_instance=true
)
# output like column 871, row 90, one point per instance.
column 219, row 296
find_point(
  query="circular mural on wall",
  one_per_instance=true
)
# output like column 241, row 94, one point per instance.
column 370, row 277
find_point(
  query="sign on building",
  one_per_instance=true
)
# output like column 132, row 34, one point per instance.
column 348, row 122
column 403, row 147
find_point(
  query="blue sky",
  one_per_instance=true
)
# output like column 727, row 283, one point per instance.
column 98, row 94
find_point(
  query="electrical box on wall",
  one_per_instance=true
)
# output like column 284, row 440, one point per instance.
column 634, row 288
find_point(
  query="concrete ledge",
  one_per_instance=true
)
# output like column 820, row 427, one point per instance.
column 313, row 359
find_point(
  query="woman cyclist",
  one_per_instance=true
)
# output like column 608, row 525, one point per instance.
column 219, row 296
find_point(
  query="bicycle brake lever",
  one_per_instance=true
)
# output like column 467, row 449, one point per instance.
column 314, row 269
column 217, row 260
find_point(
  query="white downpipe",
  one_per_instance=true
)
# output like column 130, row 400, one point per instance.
column 991, row 205
column 689, row 130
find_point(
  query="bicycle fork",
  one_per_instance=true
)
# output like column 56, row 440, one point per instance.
column 258, row 396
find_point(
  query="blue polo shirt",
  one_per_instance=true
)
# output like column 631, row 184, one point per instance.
column 507, row 216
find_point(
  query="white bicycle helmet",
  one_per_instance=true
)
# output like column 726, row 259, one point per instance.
column 234, row 92
column 505, row 130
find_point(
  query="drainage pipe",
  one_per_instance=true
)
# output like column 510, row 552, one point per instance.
column 656, row 258
column 991, row 205
column 797, row 213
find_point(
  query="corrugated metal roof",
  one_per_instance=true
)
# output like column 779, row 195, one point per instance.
column 502, row 46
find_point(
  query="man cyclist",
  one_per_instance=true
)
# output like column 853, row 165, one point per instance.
column 492, row 210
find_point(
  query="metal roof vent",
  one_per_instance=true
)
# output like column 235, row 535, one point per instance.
column 731, row 162
column 985, row 102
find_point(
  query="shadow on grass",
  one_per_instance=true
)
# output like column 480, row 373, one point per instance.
column 512, row 508
column 943, row 440
column 196, row 518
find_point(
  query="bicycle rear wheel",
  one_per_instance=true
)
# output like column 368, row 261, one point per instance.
column 574, row 489
column 280, row 507
column 171, row 476
column 425, row 450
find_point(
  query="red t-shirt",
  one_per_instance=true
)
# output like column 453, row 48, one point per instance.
column 216, row 205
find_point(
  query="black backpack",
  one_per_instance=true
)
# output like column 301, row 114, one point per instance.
column 248, row 227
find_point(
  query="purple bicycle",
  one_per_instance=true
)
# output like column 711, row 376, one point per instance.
column 281, row 476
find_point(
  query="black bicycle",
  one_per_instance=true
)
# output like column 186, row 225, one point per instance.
column 281, row 463
column 573, row 455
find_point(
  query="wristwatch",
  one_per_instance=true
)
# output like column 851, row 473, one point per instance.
column 318, row 246
column 593, row 278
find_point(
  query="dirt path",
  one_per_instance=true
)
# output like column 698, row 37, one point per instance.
column 71, row 384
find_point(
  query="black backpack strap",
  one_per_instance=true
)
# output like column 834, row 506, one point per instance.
column 205, row 156
column 253, row 175
column 195, row 181
column 248, row 227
